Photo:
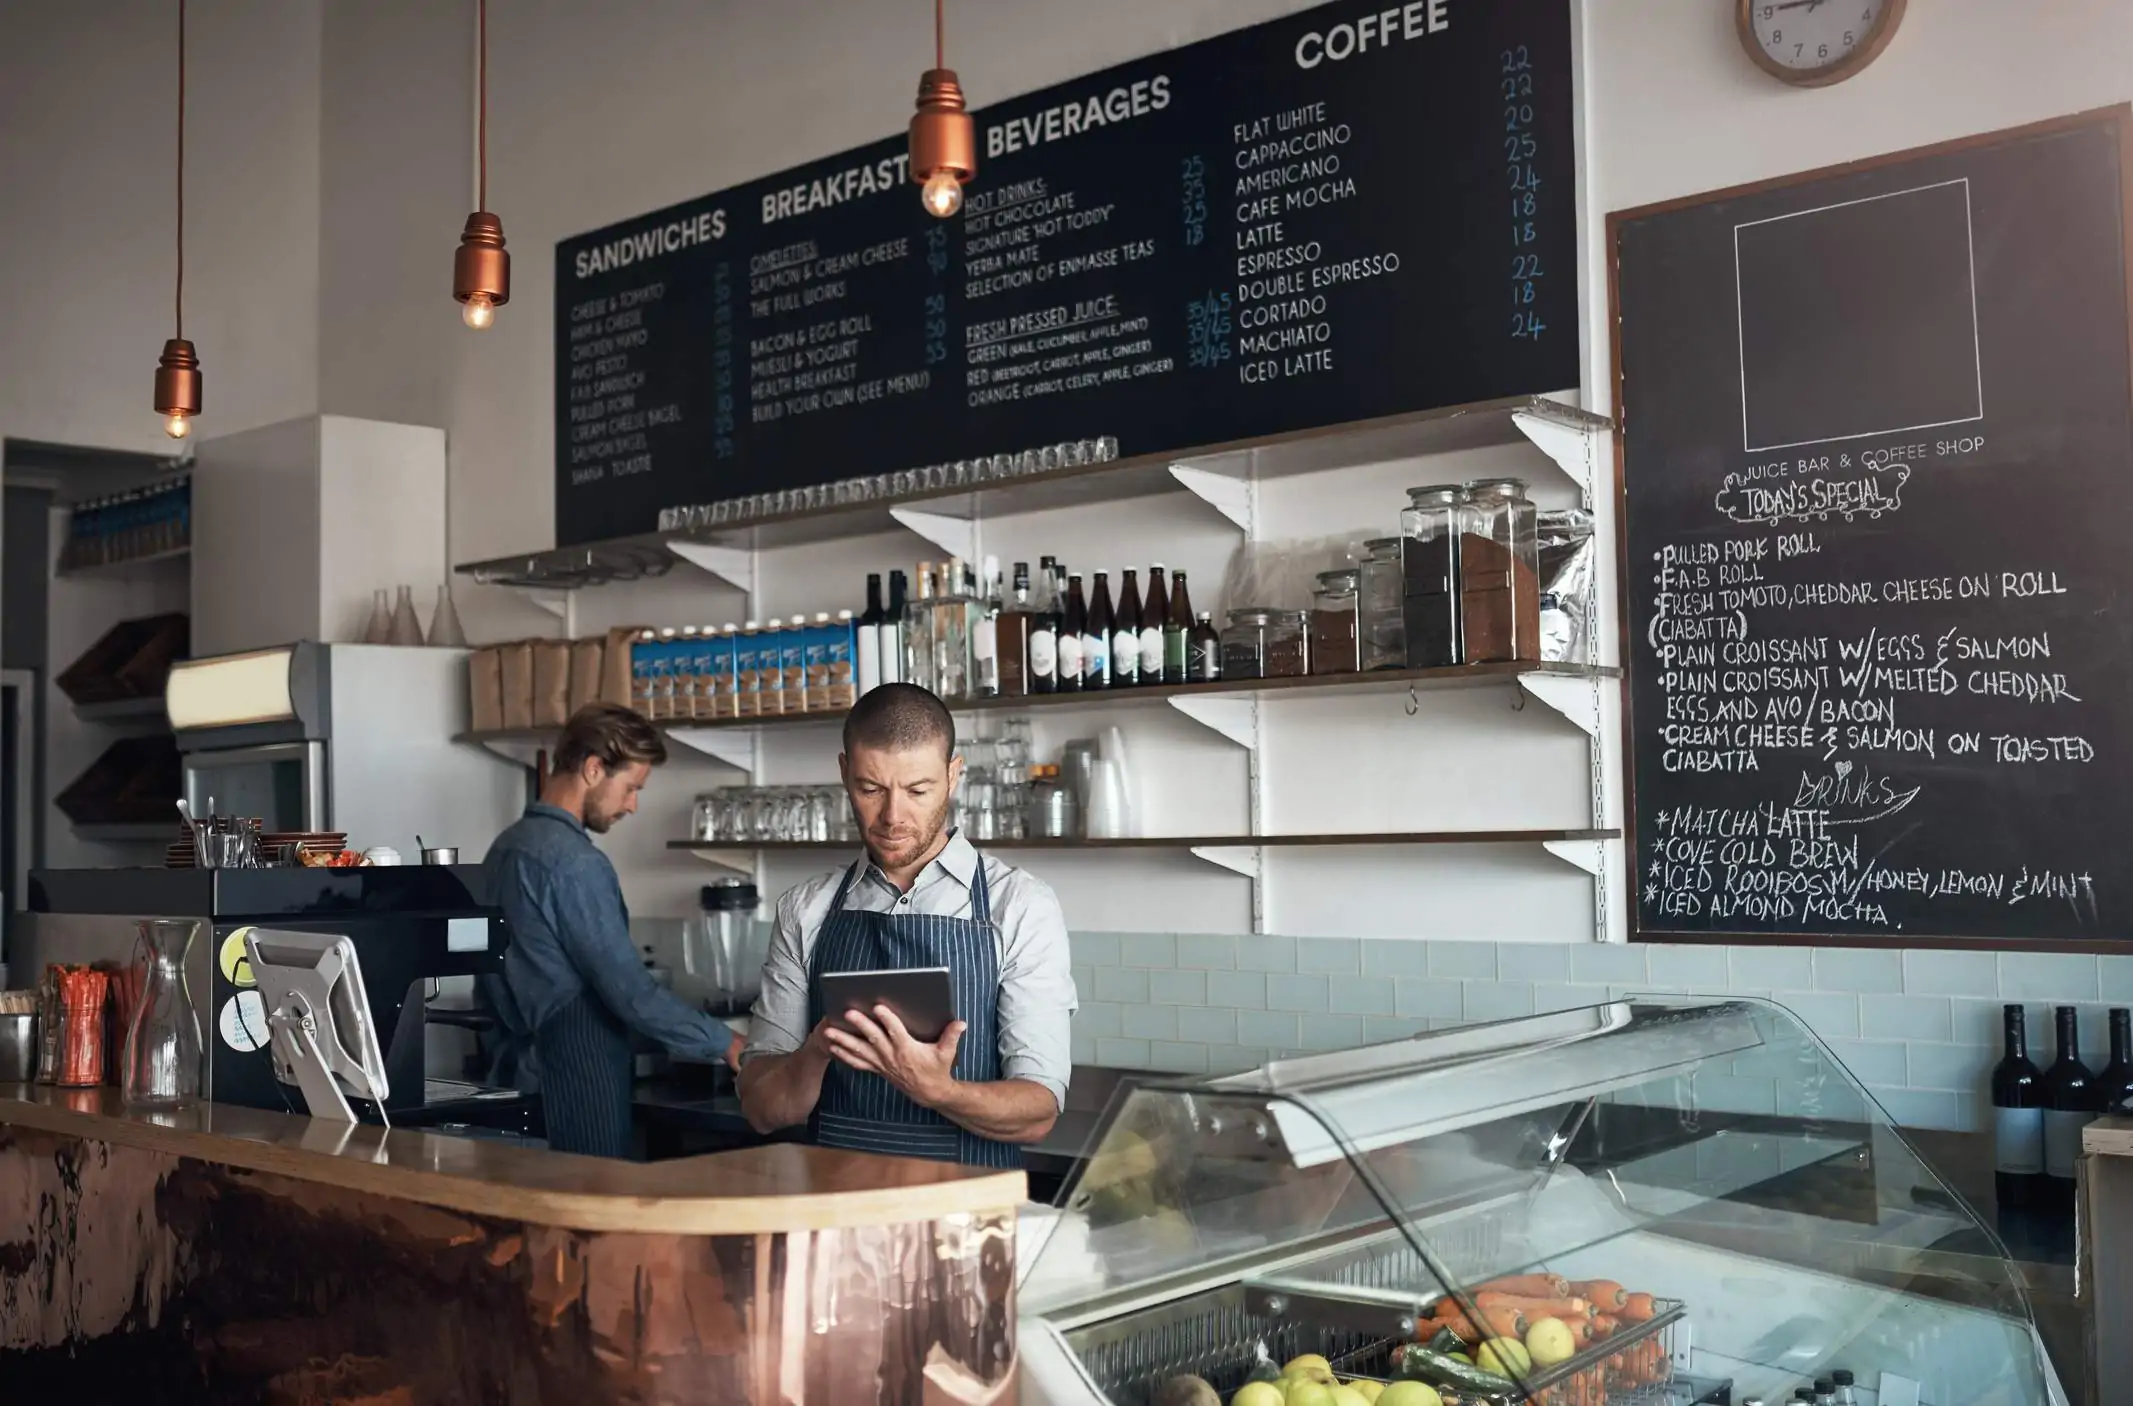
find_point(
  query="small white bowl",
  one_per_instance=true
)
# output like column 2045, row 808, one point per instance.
column 381, row 856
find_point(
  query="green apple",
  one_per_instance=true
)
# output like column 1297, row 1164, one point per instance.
column 1258, row 1394
column 1409, row 1394
column 1305, row 1392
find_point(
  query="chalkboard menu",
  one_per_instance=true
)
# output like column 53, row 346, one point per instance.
column 1877, row 485
column 1362, row 209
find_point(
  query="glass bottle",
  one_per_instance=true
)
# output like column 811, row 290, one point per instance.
column 162, row 1058
column 1125, row 656
column 379, row 628
column 1155, row 611
column 2069, row 1104
column 445, row 629
column 2017, row 1119
column 891, row 630
column 918, row 633
column 1011, row 635
column 2114, row 1087
column 1431, row 526
column 1044, row 608
column 1203, row 651
column 1096, row 636
column 867, row 645
column 950, row 622
column 405, row 628
column 1073, row 640
column 1499, row 574
column 984, row 615
column 1177, row 632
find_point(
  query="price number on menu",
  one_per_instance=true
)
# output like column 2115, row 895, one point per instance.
column 723, row 443
column 936, row 328
column 1193, row 198
column 1208, row 324
column 1521, row 150
column 937, row 249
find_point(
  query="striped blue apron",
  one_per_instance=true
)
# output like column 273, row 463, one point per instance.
column 865, row 1112
column 586, row 1073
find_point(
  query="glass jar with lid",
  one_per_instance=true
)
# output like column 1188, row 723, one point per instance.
column 1336, row 634
column 1499, row 574
column 1288, row 645
column 1381, row 643
column 1244, row 640
column 1431, row 525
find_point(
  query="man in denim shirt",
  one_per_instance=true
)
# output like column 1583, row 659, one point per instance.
column 574, row 988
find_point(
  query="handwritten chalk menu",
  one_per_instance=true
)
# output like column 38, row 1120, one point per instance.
column 1878, row 485
column 1360, row 210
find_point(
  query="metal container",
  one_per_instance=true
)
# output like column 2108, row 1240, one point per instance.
column 18, row 1048
column 1053, row 812
column 441, row 854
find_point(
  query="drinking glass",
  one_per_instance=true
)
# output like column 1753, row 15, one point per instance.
column 162, row 1058
column 1106, row 449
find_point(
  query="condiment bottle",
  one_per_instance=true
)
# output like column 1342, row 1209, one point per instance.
column 1844, row 1381
column 1825, row 1392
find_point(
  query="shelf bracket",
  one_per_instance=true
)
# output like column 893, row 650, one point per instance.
column 957, row 536
column 1575, row 698
column 733, row 746
column 563, row 605
column 733, row 565
column 1235, row 718
column 517, row 751
column 1570, row 446
column 1229, row 494
column 1238, row 859
column 1589, row 855
column 726, row 859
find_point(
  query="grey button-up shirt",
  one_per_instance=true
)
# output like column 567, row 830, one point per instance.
column 1037, row 998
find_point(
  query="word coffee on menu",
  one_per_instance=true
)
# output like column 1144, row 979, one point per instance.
column 1874, row 574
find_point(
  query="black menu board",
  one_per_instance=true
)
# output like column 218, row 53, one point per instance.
column 1363, row 209
column 1877, row 487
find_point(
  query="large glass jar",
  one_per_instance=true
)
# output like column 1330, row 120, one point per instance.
column 1336, row 636
column 1381, row 641
column 1288, row 645
column 1244, row 641
column 1499, row 574
column 1430, row 528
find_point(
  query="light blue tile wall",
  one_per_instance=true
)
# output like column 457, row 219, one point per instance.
column 1920, row 1029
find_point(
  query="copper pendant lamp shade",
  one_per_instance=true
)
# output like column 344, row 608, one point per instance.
column 481, row 268
column 944, row 141
column 178, row 370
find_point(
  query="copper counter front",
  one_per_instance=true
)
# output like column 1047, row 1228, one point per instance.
column 139, row 1274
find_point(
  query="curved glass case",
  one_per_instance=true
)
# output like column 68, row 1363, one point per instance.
column 1695, row 1194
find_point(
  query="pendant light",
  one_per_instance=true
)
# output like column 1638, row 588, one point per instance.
column 178, row 371
column 481, row 269
column 944, row 141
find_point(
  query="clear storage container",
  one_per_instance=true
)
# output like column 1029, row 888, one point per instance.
column 1288, row 645
column 1336, row 633
column 1499, row 574
column 1244, row 640
column 1431, row 526
column 1381, row 640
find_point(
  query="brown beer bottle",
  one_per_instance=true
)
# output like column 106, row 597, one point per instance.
column 1177, row 632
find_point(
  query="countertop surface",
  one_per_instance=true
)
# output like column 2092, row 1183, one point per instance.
column 756, row 1190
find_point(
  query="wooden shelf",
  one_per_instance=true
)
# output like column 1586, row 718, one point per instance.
column 1377, row 681
column 1420, row 837
column 1451, row 429
column 120, row 568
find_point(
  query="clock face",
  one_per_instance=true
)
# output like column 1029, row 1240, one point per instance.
column 1817, row 41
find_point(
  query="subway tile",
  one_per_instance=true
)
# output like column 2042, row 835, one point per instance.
column 1692, row 968
column 1082, row 1049
column 1148, row 1022
column 1561, row 996
column 1263, row 953
column 2117, row 979
column 1858, row 969
column 1207, row 951
column 1175, row 1058
column 1395, row 956
column 1946, row 973
column 1121, row 1054
column 1276, row 1030
column 1973, row 1111
column 1498, row 1000
column 1964, row 1068
column 1127, row 985
column 1534, row 961
column 1178, row 988
column 1430, row 996
column 2059, row 977
column 1906, row 1018
column 1096, row 1019
column 1084, row 980
column 1336, row 956
column 1228, row 1059
column 1472, row 960
column 1296, row 993
column 1208, row 1025
column 1609, row 962
column 1094, row 949
column 1825, row 1095
column 1984, row 1023
column 1359, row 995
column 1830, row 1015
column 1244, row 990
column 1380, row 1028
column 1772, row 968
column 1148, row 949
column 1874, row 1062
column 1330, row 1032
column 1920, row 1108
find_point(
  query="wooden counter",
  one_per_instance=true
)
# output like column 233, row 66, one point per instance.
column 226, row 1254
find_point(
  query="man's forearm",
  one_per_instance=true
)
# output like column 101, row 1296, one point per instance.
column 1006, row 1110
column 778, row 1091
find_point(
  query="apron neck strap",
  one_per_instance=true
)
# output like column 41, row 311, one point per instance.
column 980, row 890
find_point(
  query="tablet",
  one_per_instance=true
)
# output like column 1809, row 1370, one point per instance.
column 922, row 997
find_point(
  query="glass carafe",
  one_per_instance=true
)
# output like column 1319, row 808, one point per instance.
column 162, row 1062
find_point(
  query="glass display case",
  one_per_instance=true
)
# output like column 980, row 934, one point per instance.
column 1637, row 1204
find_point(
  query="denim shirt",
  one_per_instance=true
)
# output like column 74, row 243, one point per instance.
column 570, row 933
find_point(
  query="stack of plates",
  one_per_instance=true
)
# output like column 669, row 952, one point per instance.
column 180, row 855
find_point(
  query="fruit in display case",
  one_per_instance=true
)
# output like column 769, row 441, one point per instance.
column 1187, row 1391
column 1308, row 1391
column 1366, row 1388
column 1259, row 1394
column 1349, row 1396
column 1409, row 1394
column 1549, row 1341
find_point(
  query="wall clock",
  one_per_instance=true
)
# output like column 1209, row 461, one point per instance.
column 1811, row 43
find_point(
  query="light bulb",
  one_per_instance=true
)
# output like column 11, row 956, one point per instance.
column 178, row 425
column 943, row 194
column 478, row 312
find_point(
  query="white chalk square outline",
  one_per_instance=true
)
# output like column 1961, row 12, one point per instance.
column 1741, row 335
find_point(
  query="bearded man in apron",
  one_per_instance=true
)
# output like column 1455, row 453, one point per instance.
column 920, row 896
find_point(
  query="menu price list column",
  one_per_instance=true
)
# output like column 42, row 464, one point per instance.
column 1522, row 178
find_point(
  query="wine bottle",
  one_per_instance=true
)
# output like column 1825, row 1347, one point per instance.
column 2114, row 1087
column 867, row 643
column 2017, row 1120
column 1096, row 636
column 1073, row 637
column 1044, row 608
column 1155, row 609
column 1177, row 632
column 2069, row 1104
column 1011, row 630
column 1126, row 632
column 891, row 631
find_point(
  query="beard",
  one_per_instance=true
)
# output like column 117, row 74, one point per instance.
column 908, row 842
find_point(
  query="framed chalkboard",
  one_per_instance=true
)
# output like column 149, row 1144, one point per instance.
column 1359, row 210
column 1876, row 478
